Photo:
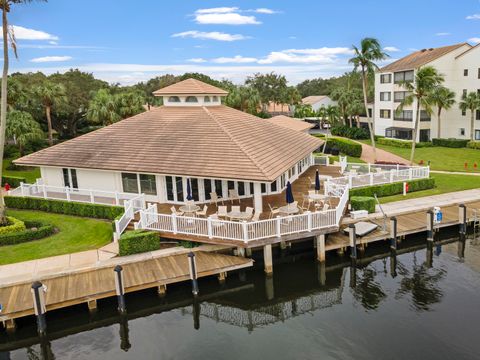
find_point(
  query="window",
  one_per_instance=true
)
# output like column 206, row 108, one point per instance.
column 462, row 131
column 399, row 96
column 207, row 188
column 169, row 181
column 385, row 96
column 273, row 186
column 251, row 188
column 241, row 188
column 465, row 72
column 424, row 116
column 403, row 76
column 191, row 99
column 385, row 78
column 405, row 115
column 219, row 188
column 194, row 185
column 206, row 99
column 179, row 187
column 130, row 183
column 464, row 112
column 370, row 112
column 70, row 178
column 148, row 184
column 477, row 134
column 215, row 99
column 477, row 115
column 173, row 99
column 264, row 188
column 230, row 185
column 385, row 113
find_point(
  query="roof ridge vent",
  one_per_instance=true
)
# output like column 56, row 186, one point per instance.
column 423, row 50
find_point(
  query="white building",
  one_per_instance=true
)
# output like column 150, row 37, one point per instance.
column 459, row 64
column 316, row 102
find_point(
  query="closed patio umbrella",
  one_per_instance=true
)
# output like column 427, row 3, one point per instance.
column 317, row 181
column 289, row 193
column 189, row 190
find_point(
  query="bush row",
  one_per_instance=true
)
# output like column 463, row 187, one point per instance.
column 350, row 132
column 138, row 241
column 402, row 143
column 450, row 143
column 344, row 146
column 13, row 225
column 474, row 145
column 34, row 230
column 13, row 181
column 393, row 189
column 363, row 203
column 97, row 211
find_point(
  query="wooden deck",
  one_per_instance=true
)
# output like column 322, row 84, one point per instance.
column 407, row 224
column 72, row 289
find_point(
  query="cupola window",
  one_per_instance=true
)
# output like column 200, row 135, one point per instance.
column 191, row 99
column 174, row 99
column 206, row 99
column 215, row 99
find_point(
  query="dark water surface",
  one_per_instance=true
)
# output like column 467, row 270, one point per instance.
column 425, row 307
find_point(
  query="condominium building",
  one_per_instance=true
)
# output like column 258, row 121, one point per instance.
column 459, row 64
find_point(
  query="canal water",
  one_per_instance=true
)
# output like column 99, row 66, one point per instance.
column 423, row 303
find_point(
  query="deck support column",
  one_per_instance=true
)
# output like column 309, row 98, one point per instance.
column 222, row 277
column 39, row 306
column 429, row 257
column 120, row 289
column 248, row 252
column 192, row 264
column 353, row 240
column 257, row 197
column 321, row 273
column 240, row 251
column 462, row 218
column 393, row 233
column 267, row 258
column 320, row 242
column 269, row 288
column 162, row 289
column 92, row 305
column 10, row 325
column 429, row 225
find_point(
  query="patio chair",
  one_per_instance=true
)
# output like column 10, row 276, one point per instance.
column 273, row 211
column 249, row 212
column 215, row 198
column 256, row 216
column 218, row 227
column 174, row 211
column 311, row 182
column 307, row 203
column 236, row 208
column 222, row 211
column 233, row 195
column 325, row 207
column 203, row 212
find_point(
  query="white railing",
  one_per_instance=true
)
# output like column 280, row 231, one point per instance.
column 321, row 160
column 131, row 206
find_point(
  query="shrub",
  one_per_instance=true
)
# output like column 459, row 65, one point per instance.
column 96, row 211
column 138, row 241
column 13, row 226
column 402, row 143
column 13, row 181
column 350, row 132
column 393, row 188
column 188, row 244
column 344, row 146
column 474, row 145
column 363, row 203
column 451, row 143
column 11, row 152
column 34, row 230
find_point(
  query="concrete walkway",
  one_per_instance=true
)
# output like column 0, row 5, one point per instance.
column 382, row 155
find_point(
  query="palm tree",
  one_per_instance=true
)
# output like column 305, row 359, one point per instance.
column 50, row 94
column 244, row 98
column 130, row 103
column 442, row 98
column 364, row 60
column 22, row 128
column 471, row 101
column 426, row 81
column 103, row 108
column 333, row 114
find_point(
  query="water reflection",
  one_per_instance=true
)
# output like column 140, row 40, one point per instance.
column 367, row 290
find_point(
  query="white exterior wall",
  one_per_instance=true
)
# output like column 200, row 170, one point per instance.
column 98, row 180
column 52, row 176
column 200, row 98
column 326, row 101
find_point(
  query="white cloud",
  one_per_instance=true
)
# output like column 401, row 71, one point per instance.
column 217, row 10
column 213, row 35
column 391, row 48
column 265, row 11
column 473, row 17
column 442, row 34
column 197, row 60
column 226, row 19
column 45, row 59
column 292, row 37
column 323, row 55
column 475, row 40
column 238, row 59
column 23, row 33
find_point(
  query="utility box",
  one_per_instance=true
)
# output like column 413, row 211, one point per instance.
column 437, row 215
column 359, row 214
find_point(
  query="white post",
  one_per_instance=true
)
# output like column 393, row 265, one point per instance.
column 410, row 173
column 404, row 188
column 209, row 227
column 398, row 167
column 350, row 180
column 22, row 189
column 67, row 192
column 371, row 178
column 92, row 197
column 428, row 172
column 117, row 230
column 174, row 223
column 116, row 198
column 44, row 191
column 257, row 197
column 245, row 231
column 309, row 220
column 391, row 176
column 369, row 170
column 277, row 225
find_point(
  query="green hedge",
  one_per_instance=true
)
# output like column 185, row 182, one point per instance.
column 344, row 146
column 96, row 211
column 402, row 143
column 363, row 203
column 35, row 230
column 350, row 132
column 393, row 189
column 14, row 225
column 474, row 145
column 138, row 241
column 13, row 181
column 450, row 143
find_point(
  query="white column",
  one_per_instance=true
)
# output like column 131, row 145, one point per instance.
column 257, row 197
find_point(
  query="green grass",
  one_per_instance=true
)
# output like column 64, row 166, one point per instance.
column 441, row 158
column 30, row 174
column 444, row 183
column 75, row 234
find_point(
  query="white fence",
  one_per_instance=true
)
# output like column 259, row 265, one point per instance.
column 246, row 231
column 131, row 206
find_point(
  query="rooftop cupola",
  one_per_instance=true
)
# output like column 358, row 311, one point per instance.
column 191, row 92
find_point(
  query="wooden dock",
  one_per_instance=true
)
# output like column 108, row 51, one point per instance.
column 89, row 286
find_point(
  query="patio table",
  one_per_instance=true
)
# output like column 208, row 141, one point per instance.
column 238, row 215
column 317, row 197
column 289, row 210
column 189, row 209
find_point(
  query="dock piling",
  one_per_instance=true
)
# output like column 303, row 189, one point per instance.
column 353, row 240
column 193, row 272
column 393, row 233
column 429, row 225
column 39, row 307
column 120, row 289
column 320, row 242
column 462, row 218
column 267, row 258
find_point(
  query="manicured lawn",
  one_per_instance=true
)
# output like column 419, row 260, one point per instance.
column 75, row 234
column 444, row 183
column 30, row 174
column 441, row 158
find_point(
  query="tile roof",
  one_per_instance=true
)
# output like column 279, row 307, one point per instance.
column 313, row 99
column 190, row 86
column 290, row 123
column 419, row 58
column 213, row 141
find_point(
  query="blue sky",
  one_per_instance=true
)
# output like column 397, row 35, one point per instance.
column 131, row 41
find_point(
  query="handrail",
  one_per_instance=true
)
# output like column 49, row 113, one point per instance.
column 381, row 209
